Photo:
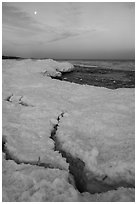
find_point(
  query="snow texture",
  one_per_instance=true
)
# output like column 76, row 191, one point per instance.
column 97, row 127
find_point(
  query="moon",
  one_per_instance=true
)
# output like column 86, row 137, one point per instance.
column 35, row 12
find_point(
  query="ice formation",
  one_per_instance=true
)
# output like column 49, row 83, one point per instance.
column 93, row 131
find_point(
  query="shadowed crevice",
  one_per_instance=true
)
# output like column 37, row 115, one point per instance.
column 83, row 182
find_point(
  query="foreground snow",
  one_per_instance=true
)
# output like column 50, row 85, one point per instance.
column 97, row 127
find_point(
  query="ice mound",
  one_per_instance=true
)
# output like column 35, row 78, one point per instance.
column 59, row 66
column 48, row 67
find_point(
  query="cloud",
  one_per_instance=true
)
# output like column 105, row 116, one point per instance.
column 71, row 14
column 17, row 24
column 16, row 18
column 69, row 19
column 21, row 28
column 67, row 33
column 63, row 36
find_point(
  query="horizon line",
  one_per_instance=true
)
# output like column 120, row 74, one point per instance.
column 7, row 56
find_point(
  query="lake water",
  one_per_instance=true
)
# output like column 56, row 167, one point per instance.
column 111, row 74
column 128, row 65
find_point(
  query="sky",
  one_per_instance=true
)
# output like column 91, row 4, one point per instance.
column 69, row 30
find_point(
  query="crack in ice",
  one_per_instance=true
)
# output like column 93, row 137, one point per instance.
column 79, row 174
column 10, row 156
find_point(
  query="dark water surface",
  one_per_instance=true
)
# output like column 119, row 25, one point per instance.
column 112, row 75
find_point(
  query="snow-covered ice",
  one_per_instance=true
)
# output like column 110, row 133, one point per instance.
column 35, row 184
column 97, row 127
column 102, row 132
